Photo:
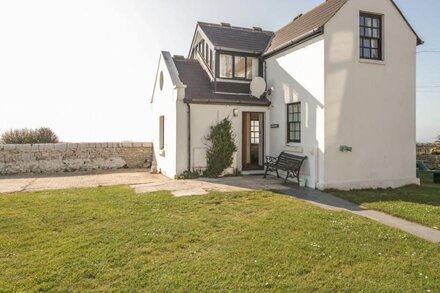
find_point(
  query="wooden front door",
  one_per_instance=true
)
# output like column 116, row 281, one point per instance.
column 253, row 141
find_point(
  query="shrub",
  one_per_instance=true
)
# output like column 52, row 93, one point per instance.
column 188, row 175
column 221, row 148
column 29, row 136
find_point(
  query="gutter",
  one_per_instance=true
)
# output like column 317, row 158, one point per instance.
column 228, row 103
column 301, row 39
column 226, row 49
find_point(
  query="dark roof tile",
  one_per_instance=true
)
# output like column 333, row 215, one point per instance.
column 237, row 38
column 312, row 20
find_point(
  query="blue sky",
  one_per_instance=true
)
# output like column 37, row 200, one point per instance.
column 86, row 68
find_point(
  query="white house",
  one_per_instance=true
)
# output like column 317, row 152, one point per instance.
column 341, row 83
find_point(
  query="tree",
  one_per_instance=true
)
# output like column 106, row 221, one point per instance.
column 29, row 136
column 221, row 148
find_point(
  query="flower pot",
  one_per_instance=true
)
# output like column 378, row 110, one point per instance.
column 302, row 182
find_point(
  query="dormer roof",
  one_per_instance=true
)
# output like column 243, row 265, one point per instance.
column 238, row 39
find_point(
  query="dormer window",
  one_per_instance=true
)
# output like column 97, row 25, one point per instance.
column 238, row 67
column 226, row 66
column 370, row 36
column 251, row 67
column 204, row 51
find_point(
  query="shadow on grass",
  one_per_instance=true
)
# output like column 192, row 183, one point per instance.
column 426, row 194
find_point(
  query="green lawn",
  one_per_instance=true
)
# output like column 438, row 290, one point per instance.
column 110, row 239
column 415, row 203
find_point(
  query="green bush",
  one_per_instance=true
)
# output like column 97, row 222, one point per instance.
column 221, row 148
column 29, row 136
column 188, row 175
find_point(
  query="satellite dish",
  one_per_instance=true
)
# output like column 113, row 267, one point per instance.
column 258, row 87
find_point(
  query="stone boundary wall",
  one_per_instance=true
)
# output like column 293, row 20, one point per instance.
column 432, row 161
column 72, row 157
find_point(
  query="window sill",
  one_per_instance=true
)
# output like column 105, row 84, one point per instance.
column 372, row 61
column 223, row 79
column 294, row 148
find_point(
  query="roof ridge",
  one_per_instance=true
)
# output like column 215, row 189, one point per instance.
column 234, row 27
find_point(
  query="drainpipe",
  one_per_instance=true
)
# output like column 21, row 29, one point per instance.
column 189, row 135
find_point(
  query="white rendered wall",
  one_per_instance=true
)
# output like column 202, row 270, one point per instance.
column 202, row 117
column 164, row 104
column 297, row 75
column 369, row 106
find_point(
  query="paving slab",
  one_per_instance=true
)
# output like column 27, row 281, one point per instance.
column 10, row 184
column 190, row 192
column 204, row 185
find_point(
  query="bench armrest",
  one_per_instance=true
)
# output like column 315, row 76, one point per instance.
column 271, row 160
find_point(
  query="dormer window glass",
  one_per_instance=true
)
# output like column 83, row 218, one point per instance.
column 226, row 66
column 207, row 53
column 238, row 67
column 202, row 48
column 207, row 58
column 251, row 67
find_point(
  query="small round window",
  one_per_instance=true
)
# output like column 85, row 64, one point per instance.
column 161, row 80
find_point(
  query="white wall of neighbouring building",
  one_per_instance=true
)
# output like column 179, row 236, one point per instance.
column 370, row 106
column 297, row 75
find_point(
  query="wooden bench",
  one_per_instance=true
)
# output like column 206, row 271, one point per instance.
column 422, row 168
column 285, row 162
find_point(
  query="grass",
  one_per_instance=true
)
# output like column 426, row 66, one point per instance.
column 419, row 204
column 110, row 239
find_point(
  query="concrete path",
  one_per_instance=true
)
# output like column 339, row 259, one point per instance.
column 11, row 184
column 330, row 202
column 204, row 185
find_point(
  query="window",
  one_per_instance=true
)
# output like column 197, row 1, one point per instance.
column 251, row 67
column 294, row 122
column 162, row 133
column 255, row 132
column 240, row 67
column 210, row 59
column 207, row 53
column 161, row 80
column 226, row 66
column 371, row 36
column 202, row 48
